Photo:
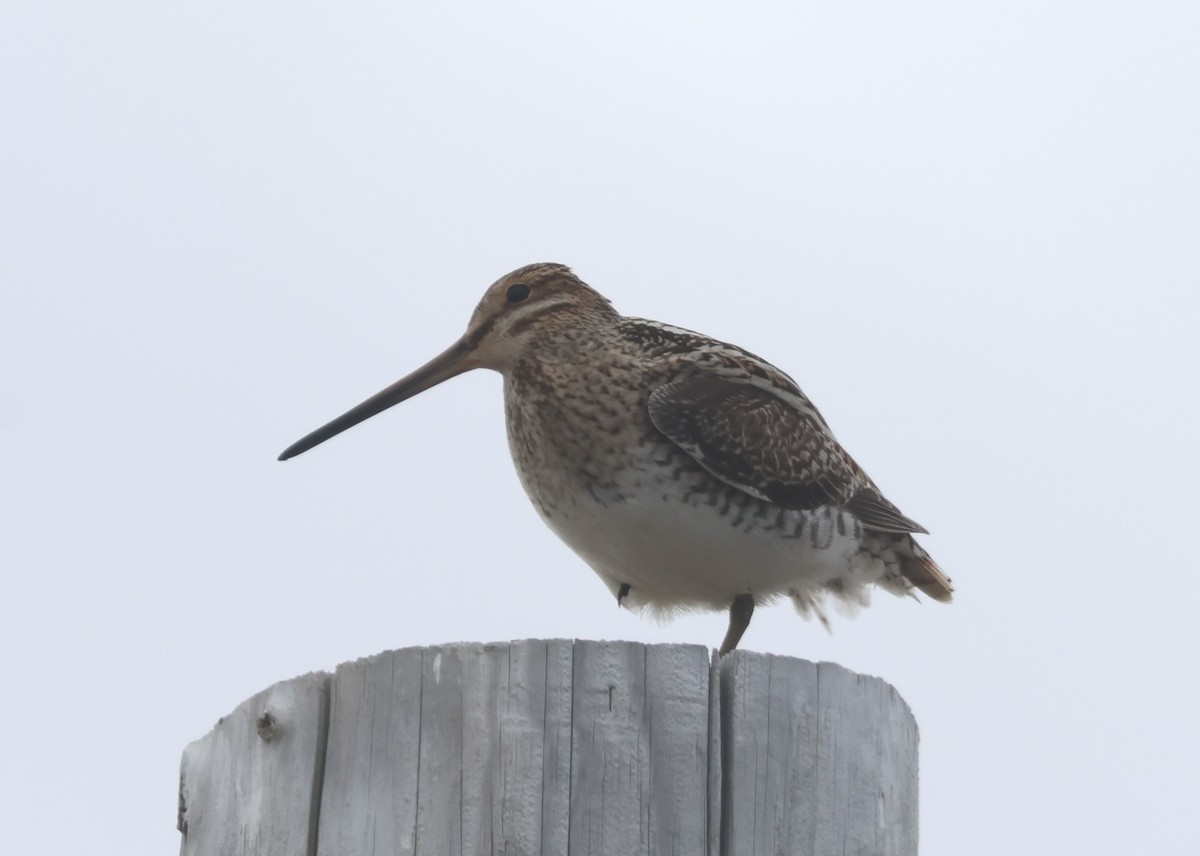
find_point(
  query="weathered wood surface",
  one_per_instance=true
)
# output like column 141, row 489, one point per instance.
column 816, row 759
column 251, row 785
column 558, row 747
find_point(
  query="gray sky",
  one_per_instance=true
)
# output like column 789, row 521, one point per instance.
column 969, row 232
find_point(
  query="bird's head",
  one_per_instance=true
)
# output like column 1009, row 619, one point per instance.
column 516, row 310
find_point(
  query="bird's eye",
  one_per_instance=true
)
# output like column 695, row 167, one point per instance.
column 518, row 292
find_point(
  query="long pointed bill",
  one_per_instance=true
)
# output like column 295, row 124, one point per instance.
column 452, row 361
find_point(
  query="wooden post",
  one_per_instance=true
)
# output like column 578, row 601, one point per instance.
column 541, row 748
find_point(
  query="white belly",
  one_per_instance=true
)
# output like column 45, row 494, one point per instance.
column 675, row 554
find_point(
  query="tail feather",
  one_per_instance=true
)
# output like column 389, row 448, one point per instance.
column 924, row 573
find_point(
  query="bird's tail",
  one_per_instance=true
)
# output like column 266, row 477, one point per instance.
column 923, row 572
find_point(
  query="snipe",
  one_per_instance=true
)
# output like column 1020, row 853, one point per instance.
column 688, row 473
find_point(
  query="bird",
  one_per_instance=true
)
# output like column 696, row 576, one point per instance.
column 688, row 473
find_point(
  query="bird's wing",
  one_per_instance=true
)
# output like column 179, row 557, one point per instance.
column 759, row 433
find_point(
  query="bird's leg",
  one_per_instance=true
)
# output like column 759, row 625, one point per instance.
column 739, row 619
column 622, row 593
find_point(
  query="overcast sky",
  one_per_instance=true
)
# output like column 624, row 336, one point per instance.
column 969, row 231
